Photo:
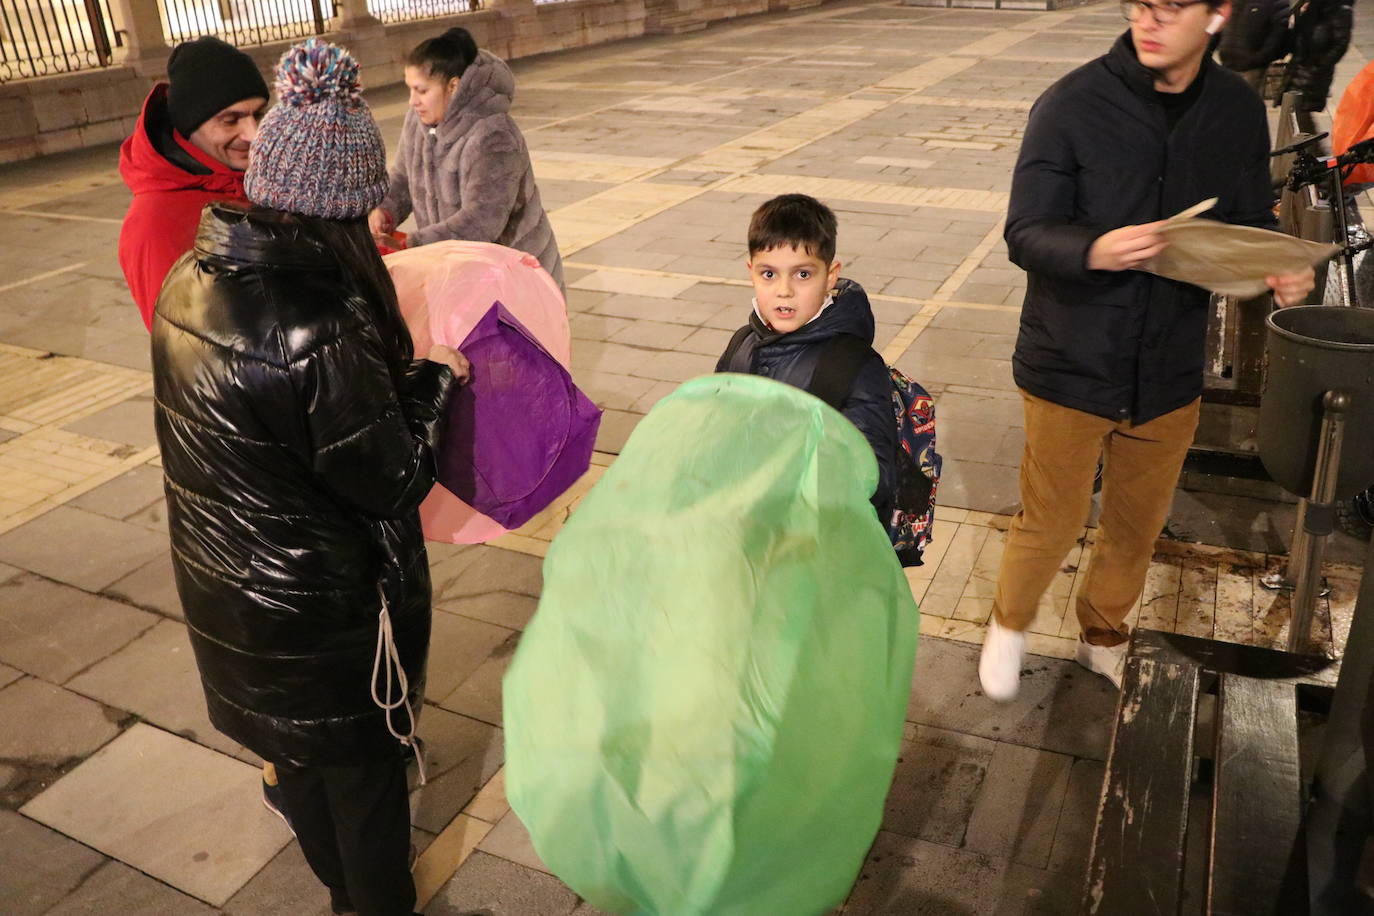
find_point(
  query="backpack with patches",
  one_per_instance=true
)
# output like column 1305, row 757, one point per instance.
column 917, row 463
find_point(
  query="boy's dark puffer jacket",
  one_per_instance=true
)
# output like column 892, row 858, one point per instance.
column 792, row 358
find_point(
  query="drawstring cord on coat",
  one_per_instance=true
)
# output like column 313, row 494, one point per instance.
column 385, row 662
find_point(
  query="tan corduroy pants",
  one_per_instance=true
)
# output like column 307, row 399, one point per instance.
column 1141, row 465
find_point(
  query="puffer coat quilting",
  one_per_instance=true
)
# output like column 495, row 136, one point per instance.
column 294, row 469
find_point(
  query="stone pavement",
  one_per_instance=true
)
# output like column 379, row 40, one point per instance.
column 119, row 796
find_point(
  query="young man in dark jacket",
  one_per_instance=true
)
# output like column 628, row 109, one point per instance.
column 800, row 302
column 1109, row 358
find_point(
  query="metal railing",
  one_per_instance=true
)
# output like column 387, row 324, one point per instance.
column 244, row 22
column 42, row 37
column 407, row 10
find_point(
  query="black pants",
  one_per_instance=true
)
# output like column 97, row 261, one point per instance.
column 353, row 824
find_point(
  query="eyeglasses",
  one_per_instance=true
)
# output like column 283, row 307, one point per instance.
column 1164, row 12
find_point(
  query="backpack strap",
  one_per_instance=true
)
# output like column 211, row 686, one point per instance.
column 731, row 350
column 838, row 364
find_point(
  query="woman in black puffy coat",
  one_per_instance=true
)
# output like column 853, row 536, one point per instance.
column 297, row 437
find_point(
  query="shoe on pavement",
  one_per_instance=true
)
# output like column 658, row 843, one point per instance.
column 1108, row 661
column 275, row 802
column 999, row 665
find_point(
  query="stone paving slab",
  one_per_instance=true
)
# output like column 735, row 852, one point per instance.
column 446, row 854
column 1019, row 806
column 482, row 569
column 125, row 495
column 151, row 587
column 504, row 609
column 39, row 867
column 957, row 370
column 48, row 725
column 938, row 778
column 480, row 695
column 117, row 888
column 129, row 422
column 981, row 486
column 80, row 548
column 184, row 814
column 1073, row 837
column 458, row 647
column 489, row 884
column 616, row 426
column 902, row 875
column 154, row 518
column 981, row 442
column 1060, row 708
column 53, row 631
column 462, row 755
column 511, row 841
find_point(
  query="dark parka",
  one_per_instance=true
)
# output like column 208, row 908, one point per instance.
column 1256, row 34
column 792, row 358
column 1098, row 155
column 294, row 468
column 1321, row 36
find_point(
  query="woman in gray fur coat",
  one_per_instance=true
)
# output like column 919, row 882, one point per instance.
column 463, row 167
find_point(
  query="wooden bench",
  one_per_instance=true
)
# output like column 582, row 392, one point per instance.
column 1206, row 730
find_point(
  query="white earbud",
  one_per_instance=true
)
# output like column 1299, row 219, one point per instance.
column 1214, row 25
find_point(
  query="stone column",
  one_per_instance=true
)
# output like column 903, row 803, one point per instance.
column 353, row 15
column 512, row 30
column 145, row 46
column 355, row 28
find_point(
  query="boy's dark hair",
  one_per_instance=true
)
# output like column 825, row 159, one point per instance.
column 445, row 56
column 797, row 220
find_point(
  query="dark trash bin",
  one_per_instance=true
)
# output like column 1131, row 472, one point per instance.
column 1311, row 350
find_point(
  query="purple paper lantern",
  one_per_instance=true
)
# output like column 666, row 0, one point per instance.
column 519, row 432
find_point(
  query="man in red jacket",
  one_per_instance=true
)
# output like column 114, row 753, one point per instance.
column 190, row 148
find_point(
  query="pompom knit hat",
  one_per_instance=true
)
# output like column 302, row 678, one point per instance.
column 318, row 151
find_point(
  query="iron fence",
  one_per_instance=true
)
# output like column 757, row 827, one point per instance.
column 244, row 22
column 42, row 37
column 406, row 10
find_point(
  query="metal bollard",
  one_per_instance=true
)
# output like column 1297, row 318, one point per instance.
column 1318, row 520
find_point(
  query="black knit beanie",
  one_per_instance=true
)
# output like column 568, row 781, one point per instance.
column 207, row 76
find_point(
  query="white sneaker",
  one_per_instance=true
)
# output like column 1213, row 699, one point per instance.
column 1108, row 661
column 999, row 667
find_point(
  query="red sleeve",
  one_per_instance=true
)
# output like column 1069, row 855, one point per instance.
column 158, row 229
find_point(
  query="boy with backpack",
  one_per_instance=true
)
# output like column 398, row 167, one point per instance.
column 813, row 330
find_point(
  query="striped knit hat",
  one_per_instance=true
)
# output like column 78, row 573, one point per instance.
column 318, row 151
